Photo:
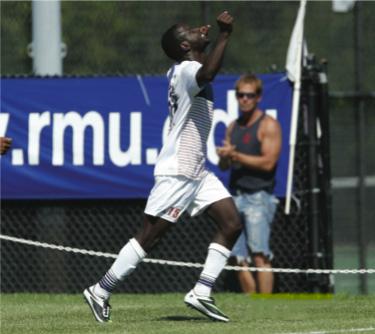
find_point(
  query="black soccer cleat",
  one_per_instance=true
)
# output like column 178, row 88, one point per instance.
column 205, row 305
column 100, row 307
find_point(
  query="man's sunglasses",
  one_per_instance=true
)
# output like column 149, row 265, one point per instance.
column 241, row 95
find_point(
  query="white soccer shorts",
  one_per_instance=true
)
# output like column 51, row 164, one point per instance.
column 172, row 195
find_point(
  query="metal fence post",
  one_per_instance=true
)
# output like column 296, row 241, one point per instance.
column 361, row 160
column 46, row 47
column 325, row 171
column 313, row 196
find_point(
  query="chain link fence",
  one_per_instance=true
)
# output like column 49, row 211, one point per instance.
column 105, row 226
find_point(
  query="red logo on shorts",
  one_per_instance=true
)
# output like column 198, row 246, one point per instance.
column 174, row 212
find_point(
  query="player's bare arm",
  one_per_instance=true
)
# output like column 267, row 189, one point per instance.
column 5, row 144
column 213, row 61
column 270, row 138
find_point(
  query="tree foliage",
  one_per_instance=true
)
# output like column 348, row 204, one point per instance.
column 112, row 37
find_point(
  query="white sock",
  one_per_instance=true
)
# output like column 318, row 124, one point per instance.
column 127, row 260
column 216, row 259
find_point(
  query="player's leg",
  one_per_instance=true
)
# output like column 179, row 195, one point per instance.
column 135, row 250
column 154, row 228
column 229, row 228
column 160, row 213
column 132, row 253
column 226, row 216
column 218, row 203
column 213, row 196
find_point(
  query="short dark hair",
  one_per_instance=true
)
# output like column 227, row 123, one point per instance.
column 170, row 43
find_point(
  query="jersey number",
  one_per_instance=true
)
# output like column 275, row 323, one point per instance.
column 172, row 101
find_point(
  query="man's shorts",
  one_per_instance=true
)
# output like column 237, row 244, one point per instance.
column 172, row 195
column 257, row 211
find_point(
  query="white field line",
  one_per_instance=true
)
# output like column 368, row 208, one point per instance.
column 336, row 331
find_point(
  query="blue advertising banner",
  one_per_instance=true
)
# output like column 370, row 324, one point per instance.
column 76, row 138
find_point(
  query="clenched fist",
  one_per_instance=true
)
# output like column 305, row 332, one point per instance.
column 225, row 22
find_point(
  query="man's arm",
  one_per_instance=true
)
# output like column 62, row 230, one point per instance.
column 5, row 144
column 270, row 148
column 213, row 61
column 225, row 151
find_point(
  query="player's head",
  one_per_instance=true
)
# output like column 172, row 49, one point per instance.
column 180, row 39
column 248, row 92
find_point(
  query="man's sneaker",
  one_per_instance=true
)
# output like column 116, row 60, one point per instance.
column 205, row 305
column 99, row 306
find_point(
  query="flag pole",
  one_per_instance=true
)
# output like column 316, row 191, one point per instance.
column 294, row 71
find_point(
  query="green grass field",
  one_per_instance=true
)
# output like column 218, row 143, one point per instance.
column 166, row 313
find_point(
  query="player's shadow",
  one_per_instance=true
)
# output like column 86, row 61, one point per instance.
column 182, row 318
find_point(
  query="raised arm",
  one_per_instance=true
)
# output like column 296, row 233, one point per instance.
column 213, row 61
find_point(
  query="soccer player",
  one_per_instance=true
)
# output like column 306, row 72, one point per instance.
column 182, row 183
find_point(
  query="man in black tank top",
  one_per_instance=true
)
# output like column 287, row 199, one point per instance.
column 251, row 149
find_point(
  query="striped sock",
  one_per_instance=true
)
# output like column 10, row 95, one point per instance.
column 216, row 259
column 128, row 258
column 108, row 281
column 204, row 285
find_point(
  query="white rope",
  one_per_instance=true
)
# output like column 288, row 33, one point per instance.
column 186, row 264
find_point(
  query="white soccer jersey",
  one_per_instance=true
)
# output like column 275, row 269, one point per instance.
column 190, row 114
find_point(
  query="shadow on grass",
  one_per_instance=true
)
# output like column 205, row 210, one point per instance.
column 183, row 318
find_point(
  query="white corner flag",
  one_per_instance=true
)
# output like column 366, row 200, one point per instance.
column 294, row 55
column 294, row 69
column 342, row 6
